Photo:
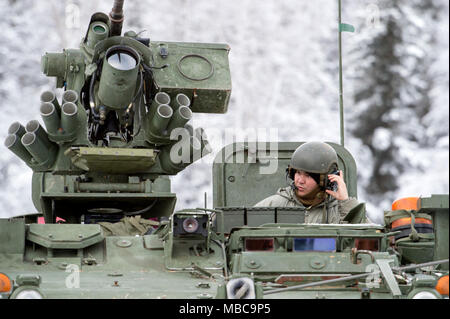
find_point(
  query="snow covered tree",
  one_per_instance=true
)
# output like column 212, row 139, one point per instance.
column 392, row 90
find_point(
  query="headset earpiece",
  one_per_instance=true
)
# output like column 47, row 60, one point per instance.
column 331, row 185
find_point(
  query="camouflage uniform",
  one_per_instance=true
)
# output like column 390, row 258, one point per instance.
column 337, row 209
column 129, row 226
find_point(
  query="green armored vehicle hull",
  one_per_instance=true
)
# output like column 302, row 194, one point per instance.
column 213, row 253
column 328, row 261
column 101, row 170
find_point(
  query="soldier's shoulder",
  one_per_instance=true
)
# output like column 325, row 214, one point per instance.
column 275, row 200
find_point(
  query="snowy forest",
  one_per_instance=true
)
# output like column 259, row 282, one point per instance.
column 284, row 68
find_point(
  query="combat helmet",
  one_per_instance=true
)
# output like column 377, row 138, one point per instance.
column 314, row 157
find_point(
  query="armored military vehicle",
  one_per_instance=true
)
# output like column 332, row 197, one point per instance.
column 101, row 170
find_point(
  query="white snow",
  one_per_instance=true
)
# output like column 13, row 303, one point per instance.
column 283, row 62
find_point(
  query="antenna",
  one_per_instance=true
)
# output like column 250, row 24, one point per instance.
column 342, row 28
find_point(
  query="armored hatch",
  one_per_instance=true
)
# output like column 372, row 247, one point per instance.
column 246, row 173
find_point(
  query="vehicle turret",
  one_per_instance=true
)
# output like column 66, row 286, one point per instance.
column 101, row 158
column 122, row 123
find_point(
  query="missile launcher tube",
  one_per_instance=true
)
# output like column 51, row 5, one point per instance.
column 180, row 117
column 181, row 100
column 33, row 126
column 17, row 129
column 13, row 143
column 50, row 117
column 50, row 97
column 70, row 96
column 36, row 147
column 160, row 98
column 160, row 120
column 69, row 117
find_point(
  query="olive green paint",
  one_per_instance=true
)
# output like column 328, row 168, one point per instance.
column 73, row 176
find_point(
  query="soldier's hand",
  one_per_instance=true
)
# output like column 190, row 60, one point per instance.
column 341, row 193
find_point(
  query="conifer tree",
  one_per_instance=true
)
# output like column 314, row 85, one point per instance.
column 392, row 94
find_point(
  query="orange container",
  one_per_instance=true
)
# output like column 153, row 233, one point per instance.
column 409, row 203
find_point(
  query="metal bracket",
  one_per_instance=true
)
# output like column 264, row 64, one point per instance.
column 388, row 275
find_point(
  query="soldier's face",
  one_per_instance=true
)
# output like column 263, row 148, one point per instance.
column 305, row 184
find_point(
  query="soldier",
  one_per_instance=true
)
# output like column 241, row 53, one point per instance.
column 313, row 170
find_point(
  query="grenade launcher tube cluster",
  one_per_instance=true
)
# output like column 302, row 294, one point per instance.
column 166, row 115
column 64, row 121
column 31, row 144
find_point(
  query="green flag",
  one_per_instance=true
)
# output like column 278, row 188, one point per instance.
column 344, row 27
